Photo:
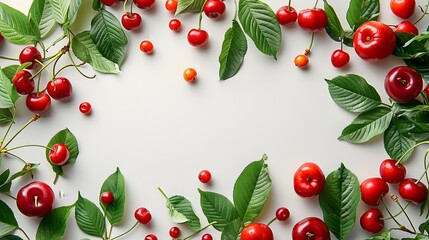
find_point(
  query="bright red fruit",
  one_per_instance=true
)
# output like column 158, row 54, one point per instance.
column 207, row 236
column 22, row 83
column 107, row 198
column 339, row 58
column 35, row 199
column 403, row 8
column 286, row 15
column 175, row 24
column 371, row 220
column 144, row 4
column 312, row 20
column 412, row 190
column 59, row 154
column 205, row 176
column 150, row 237
column 197, row 37
column 171, row 5
column 308, row 180
column 372, row 190
column 30, row 54
column 85, row 108
column 408, row 27
column 174, row 232
column 374, row 41
column 38, row 103
column 391, row 171
column 257, row 231
column 131, row 21
column 60, row 89
column 403, row 84
column 142, row 215
column 214, row 8
column 310, row 228
column 282, row 214
column 109, row 2
column 146, row 46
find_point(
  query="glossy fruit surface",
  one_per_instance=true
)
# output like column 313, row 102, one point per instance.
column 214, row 8
column 142, row 215
column 257, row 231
column 392, row 172
column 60, row 89
column 146, row 46
column 301, row 61
column 207, row 236
column 131, row 21
column 22, row 83
column 411, row 190
column 85, row 108
column 374, row 41
column 189, row 74
column 175, row 24
column 144, row 4
column 30, row 54
column 150, row 237
column 403, row 8
column 109, row 2
column 1, row 38
column 59, row 154
column 408, row 27
column 403, row 84
column 372, row 190
column 38, row 103
column 312, row 20
column 310, row 228
column 35, row 199
column 107, row 198
column 339, row 58
column 205, row 176
column 286, row 15
column 371, row 220
column 282, row 214
column 198, row 37
column 174, row 232
column 171, row 5
column 308, row 180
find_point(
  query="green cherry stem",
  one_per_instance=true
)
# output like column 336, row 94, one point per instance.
column 57, row 55
column 4, row 150
column 424, row 13
column 236, row 9
column 396, row 200
column 272, row 220
column 308, row 50
column 32, row 119
column 8, row 195
column 126, row 232
column 17, row 157
column 23, row 232
column 288, row 5
column 200, row 16
column 9, row 58
column 390, row 213
column 77, row 68
column 315, row 4
column 56, row 178
column 196, row 232
column 409, row 150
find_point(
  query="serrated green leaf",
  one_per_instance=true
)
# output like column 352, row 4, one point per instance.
column 89, row 218
column 6, row 87
column 189, row 6
column 10, row 71
column 96, row 5
column 115, row 184
column 67, row 138
column 232, row 230
column 353, row 93
column 251, row 190
column 6, row 116
column 40, row 14
column 28, row 168
column 234, row 47
column 361, row 11
column 339, row 201
column 217, row 208
column 397, row 141
column 72, row 12
column 8, row 222
column 15, row 26
column 53, row 225
column 367, row 125
column 333, row 28
column 3, row 176
column 348, row 38
column 407, row 49
column 109, row 37
column 180, row 211
column 60, row 10
column 86, row 50
column 260, row 24
column 11, row 237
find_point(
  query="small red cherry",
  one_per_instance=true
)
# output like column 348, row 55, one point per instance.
column 142, row 215
column 60, row 89
column 339, row 58
column 371, row 220
column 107, row 198
column 205, row 176
column 408, row 27
column 391, row 171
column 282, row 214
column 171, row 5
column 85, row 108
column 207, row 236
column 175, row 24
column 30, row 54
column 59, row 154
column 144, row 4
column 109, row 2
column 174, row 232
column 146, row 46
column 286, row 15
column 22, row 83
column 38, row 103
column 131, row 21
column 214, row 8
column 150, row 237
column 198, row 37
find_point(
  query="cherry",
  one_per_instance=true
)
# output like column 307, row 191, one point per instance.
column 426, row 90
column 60, row 89
column 286, row 15
column 146, row 46
column 131, row 21
column 59, row 154
column 310, row 228
column 308, row 180
column 30, row 54
column 207, row 236
column 85, row 108
column 257, row 231
column 198, row 37
column 189, row 74
column 312, row 20
column 282, row 214
column 371, row 220
column 412, row 190
column 408, row 27
column 22, row 82
column 174, row 232
column 109, row 2
column 38, row 103
column 403, row 84
column 372, row 190
column 205, row 176
column 142, row 215
column 171, row 5
column 107, row 198
column 150, row 237
column 301, row 61
column 1, row 38
column 174, row 24
column 35, row 199
column 403, row 8
column 214, row 8
column 144, row 4
column 391, row 171
column 339, row 58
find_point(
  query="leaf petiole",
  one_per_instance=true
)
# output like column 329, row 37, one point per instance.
column 125, row 233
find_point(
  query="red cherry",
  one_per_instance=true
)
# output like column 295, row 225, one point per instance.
column 408, row 27
column 35, row 199
column 107, row 198
column 286, row 15
column 371, row 220
column 142, row 215
column 205, row 176
column 1, row 38
column 198, row 37
column 403, row 84
column 372, row 190
column 59, row 154
column 85, row 108
column 308, row 180
column 60, row 89
column 38, row 103
column 131, row 21
column 312, row 20
column 146, row 46
column 257, row 231
column 174, row 24
column 411, row 190
column 214, row 8
column 22, row 82
column 171, row 5
column 339, row 58
column 391, row 171
column 109, row 2
column 403, row 8
column 310, row 226
column 30, row 54
column 174, row 232
column 282, row 214
column 144, row 4
column 150, row 237
column 207, row 236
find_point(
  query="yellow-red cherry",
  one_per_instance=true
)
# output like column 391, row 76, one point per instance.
column 301, row 61
column 189, row 74
column 171, row 5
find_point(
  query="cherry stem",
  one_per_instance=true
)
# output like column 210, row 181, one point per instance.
column 17, row 157
column 32, row 119
column 409, row 150
column 57, row 55
column 126, row 232
column 4, row 150
column 196, row 232
column 288, row 5
column 315, row 4
column 56, row 178
column 390, row 213
column 394, row 198
column 424, row 13
column 7, row 194
column 9, row 58
column 236, row 9
column 76, row 66
column 272, row 220
column 309, row 235
column 308, row 50
column 23, row 232
column 8, row 128
column 200, row 16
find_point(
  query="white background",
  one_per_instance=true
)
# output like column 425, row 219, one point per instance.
column 161, row 131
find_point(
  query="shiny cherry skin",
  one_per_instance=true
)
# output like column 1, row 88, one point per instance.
column 310, row 226
column 312, row 20
column 403, row 84
column 171, row 5
column 146, row 46
column 60, row 89
column 403, row 8
column 175, row 24
column 38, row 103
column 257, row 231
column 142, row 215
column 189, row 74
column 286, row 15
column 150, row 237
column 308, row 180
column 131, row 21
column 408, row 27
column 391, row 171
column 35, row 199
column 301, row 61
column 214, row 8
column 30, row 54
column 85, row 108
column 282, row 214
column 207, row 236
column 107, row 198
column 109, row 2
column 204, row 176
column 144, row 4
column 339, row 58
column 174, row 232
column 374, row 41
column 22, row 82
column 371, row 220
column 372, row 190
column 411, row 190
column 59, row 154
column 197, row 37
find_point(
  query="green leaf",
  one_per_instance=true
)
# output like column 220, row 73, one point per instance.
column 251, row 190
column 60, row 10
column 189, row 6
column 96, row 5
column 181, row 212
column 234, row 47
column 260, row 24
column 424, row 227
column 89, row 218
column 232, row 230
column 85, row 49
column 217, row 208
column 8, row 222
column 383, row 236
column 115, row 184
column 6, row 116
column 367, row 125
column 53, row 225
column 333, row 28
column 397, row 140
column 15, row 26
column 40, row 14
column 28, row 168
column 109, row 37
column 339, row 201
column 360, row 11
column 11, row 237
column 353, row 93
column 407, row 49
column 3, row 176
column 72, row 12
column 67, row 138
column 10, row 71
column 348, row 38
column 6, row 91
